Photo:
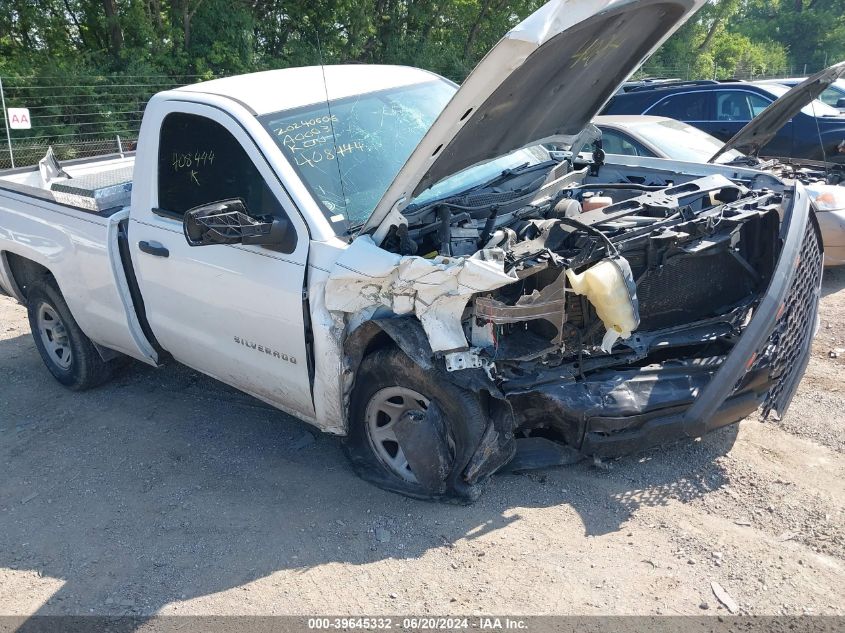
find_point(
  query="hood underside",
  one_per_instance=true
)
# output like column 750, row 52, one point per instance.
column 769, row 122
column 544, row 81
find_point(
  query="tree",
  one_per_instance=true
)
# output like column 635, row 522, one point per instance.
column 67, row 42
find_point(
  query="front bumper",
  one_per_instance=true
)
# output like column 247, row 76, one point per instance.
column 618, row 411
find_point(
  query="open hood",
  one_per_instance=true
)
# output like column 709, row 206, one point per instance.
column 765, row 126
column 544, row 81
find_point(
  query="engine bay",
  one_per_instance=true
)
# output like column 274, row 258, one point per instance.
column 689, row 258
column 593, row 310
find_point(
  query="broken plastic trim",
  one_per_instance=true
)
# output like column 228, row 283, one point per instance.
column 548, row 304
column 435, row 290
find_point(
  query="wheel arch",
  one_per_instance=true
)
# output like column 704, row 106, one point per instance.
column 491, row 442
column 22, row 273
column 405, row 333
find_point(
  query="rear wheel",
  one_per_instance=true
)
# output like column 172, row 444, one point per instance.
column 68, row 354
column 402, row 416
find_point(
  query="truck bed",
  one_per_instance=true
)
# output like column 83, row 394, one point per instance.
column 100, row 185
column 74, row 231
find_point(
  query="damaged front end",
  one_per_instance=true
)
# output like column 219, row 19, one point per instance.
column 581, row 314
column 657, row 314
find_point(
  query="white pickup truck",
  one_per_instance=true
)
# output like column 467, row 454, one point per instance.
column 399, row 261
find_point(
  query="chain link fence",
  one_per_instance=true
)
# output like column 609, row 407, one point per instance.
column 78, row 116
column 689, row 72
column 82, row 116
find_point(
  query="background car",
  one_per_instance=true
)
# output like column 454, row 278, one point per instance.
column 722, row 109
column 635, row 84
column 659, row 137
column 833, row 96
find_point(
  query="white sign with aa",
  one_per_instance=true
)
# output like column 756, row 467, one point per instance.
column 19, row 118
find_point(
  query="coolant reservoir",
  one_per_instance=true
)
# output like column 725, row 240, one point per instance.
column 609, row 286
column 597, row 202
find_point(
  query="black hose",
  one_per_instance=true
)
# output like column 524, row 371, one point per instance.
column 488, row 226
column 444, row 214
column 590, row 229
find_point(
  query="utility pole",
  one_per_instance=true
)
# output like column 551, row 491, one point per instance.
column 6, row 121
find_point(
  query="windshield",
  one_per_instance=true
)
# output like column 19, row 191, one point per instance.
column 479, row 174
column 834, row 94
column 814, row 108
column 366, row 139
column 694, row 146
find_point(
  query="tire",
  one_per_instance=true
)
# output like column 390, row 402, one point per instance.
column 389, row 373
column 68, row 354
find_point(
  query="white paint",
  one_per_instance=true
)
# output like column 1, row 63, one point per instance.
column 233, row 312
column 260, row 146
column 19, row 118
column 75, row 247
column 435, row 290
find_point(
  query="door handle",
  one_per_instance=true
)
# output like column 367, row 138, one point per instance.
column 153, row 248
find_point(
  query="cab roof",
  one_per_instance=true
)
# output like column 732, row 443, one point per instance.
column 275, row 90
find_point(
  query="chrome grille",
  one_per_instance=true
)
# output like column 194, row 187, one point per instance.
column 787, row 349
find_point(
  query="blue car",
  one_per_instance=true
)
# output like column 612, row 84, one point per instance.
column 722, row 109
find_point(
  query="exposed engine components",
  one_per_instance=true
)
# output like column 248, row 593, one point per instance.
column 593, row 202
column 435, row 290
column 470, row 359
column 567, row 208
column 548, row 304
column 610, row 287
column 536, row 278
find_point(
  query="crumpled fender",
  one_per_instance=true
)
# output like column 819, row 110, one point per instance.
column 435, row 290
column 406, row 332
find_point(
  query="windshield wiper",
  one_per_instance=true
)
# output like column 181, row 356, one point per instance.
column 748, row 161
column 503, row 175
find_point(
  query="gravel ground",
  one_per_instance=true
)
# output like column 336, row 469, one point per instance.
column 167, row 492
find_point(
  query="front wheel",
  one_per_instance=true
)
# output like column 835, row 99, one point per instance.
column 68, row 354
column 412, row 431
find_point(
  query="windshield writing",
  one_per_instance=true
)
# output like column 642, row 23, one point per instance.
column 349, row 151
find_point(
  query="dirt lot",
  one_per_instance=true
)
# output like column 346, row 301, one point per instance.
column 168, row 492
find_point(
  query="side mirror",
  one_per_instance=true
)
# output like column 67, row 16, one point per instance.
column 227, row 222
column 841, row 103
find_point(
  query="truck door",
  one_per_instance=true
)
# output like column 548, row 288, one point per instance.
column 231, row 311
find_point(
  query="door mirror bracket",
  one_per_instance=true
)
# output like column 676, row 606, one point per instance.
column 227, row 222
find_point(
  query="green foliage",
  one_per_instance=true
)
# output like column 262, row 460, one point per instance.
column 750, row 38
column 92, row 44
column 220, row 37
